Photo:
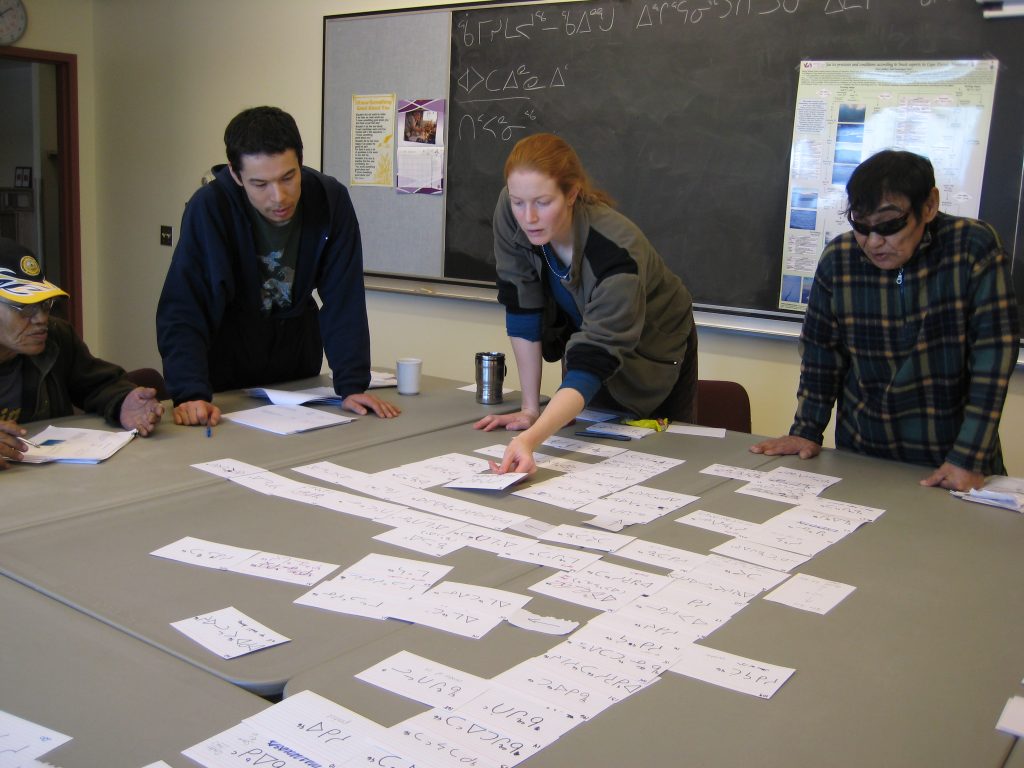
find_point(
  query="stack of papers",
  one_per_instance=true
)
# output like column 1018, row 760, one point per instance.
column 1005, row 492
column 70, row 445
column 287, row 419
column 322, row 395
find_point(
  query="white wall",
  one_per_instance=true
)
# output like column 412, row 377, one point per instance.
column 159, row 79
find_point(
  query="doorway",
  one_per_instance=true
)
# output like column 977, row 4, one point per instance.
column 39, row 175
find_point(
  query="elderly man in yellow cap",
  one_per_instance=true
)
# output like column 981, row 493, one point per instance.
column 46, row 370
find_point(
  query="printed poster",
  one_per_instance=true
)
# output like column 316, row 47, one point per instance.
column 373, row 140
column 848, row 110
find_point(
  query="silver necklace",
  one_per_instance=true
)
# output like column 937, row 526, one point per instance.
column 564, row 275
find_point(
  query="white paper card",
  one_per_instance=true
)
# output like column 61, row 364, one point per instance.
column 229, row 633
column 727, row 670
column 423, row 680
column 24, row 740
column 287, row 419
column 809, row 593
column 1012, row 718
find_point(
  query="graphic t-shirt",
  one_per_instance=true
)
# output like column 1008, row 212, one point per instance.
column 277, row 249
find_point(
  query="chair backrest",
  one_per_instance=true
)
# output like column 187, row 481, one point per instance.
column 723, row 404
column 149, row 377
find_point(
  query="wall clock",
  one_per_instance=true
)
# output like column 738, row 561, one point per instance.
column 13, row 21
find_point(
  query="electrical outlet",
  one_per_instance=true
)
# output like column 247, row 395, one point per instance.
column 165, row 235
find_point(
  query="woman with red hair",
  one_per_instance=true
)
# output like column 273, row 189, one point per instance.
column 580, row 283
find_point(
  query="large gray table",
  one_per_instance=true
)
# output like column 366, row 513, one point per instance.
column 99, row 562
column 159, row 465
column 912, row 669
column 124, row 703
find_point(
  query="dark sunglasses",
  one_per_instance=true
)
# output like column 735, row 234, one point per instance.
column 884, row 229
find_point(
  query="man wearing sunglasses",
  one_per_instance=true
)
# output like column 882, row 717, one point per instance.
column 46, row 370
column 911, row 332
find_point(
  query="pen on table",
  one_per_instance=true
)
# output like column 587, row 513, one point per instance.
column 607, row 435
column 209, row 431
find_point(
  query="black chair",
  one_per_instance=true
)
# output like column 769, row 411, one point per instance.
column 149, row 377
column 722, row 404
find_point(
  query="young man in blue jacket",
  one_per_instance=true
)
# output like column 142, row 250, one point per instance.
column 237, row 308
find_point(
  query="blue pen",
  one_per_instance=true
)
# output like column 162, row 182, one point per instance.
column 209, row 431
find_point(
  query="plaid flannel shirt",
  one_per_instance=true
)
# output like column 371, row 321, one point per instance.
column 917, row 361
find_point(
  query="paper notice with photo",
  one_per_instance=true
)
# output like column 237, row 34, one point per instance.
column 229, row 633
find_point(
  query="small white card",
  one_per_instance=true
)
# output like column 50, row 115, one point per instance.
column 585, row 537
column 26, row 739
column 727, row 670
column 1012, row 718
column 229, row 633
column 809, row 593
column 228, row 468
column 423, row 680
column 711, row 521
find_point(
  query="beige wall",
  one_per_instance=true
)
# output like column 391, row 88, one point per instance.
column 159, row 79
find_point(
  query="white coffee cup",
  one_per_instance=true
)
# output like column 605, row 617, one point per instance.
column 408, row 369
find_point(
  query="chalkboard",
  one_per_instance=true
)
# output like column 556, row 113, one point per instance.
column 683, row 112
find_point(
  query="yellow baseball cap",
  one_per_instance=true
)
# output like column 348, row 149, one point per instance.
column 21, row 278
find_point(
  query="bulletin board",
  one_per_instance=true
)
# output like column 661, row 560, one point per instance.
column 682, row 111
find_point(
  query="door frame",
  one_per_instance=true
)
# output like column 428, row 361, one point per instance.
column 70, row 248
